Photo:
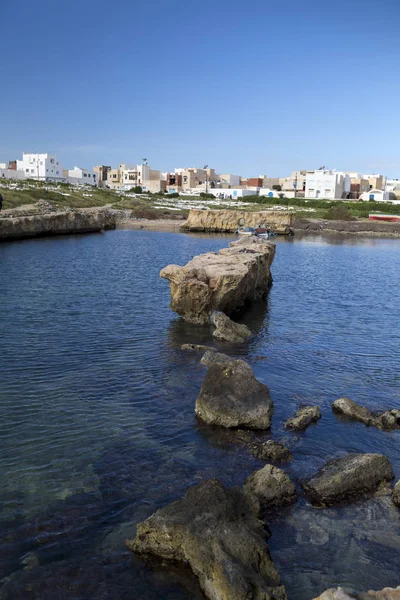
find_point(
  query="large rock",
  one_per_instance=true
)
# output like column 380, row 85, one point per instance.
column 213, row 358
column 270, row 451
column 387, row 420
column 303, row 418
column 227, row 330
column 231, row 396
column 228, row 221
column 54, row 223
column 223, row 281
column 348, row 478
column 271, row 486
column 216, row 531
column 396, row 494
column 341, row 594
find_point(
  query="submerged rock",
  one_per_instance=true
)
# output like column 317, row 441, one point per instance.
column 213, row 358
column 270, row 451
column 229, row 331
column 197, row 348
column 351, row 410
column 348, row 478
column 271, row 486
column 387, row 420
column 341, row 594
column 223, row 281
column 396, row 494
column 303, row 418
column 216, row 531
column 231, row 396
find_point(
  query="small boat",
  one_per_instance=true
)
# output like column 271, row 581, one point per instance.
column 381, row 217
column 263, row 232
column 246, row 231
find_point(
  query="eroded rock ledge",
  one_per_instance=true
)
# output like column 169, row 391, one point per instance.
column 53, row 222
column 223, row 281
column 228, row 221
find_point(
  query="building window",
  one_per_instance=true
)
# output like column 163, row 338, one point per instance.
column 185, row 179
column 56, row 172
column 32, row 170
column 52, row 161
column 84, row 175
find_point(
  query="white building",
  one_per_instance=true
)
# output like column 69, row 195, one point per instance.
column 78, row 176
column 376, row 195
column 43, row 167
column 233, row 193
column 324, row 184
column 392, row 185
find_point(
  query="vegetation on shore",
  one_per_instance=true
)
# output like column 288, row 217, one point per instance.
column 146, row 205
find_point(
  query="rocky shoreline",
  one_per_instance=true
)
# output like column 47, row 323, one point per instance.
column 220, row 532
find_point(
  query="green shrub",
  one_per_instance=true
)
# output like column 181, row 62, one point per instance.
column 206, row 195
column 137, row 189
column 174, row 195
column 339, row 213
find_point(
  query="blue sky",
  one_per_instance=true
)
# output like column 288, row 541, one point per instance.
column 257, row 87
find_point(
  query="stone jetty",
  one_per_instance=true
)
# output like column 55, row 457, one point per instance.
column 228, row 221
column 223, row 281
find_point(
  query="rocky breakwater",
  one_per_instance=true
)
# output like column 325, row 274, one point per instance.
column 228, row 221
column 224, row 281
column 53, row 222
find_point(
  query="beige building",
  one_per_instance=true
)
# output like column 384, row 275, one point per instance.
column 194, row 178
column 101, row 173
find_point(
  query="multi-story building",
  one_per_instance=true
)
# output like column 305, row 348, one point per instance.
column 101, row 173
column 325, row 184
column 43, row 167
column 226, row 180
column 79, row 176
column 195, row 178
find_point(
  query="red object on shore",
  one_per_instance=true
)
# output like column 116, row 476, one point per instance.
column 389, row 218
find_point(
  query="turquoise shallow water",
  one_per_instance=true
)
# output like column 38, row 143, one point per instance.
column 97, row 408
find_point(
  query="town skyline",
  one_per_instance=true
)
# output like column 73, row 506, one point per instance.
column 267, row 88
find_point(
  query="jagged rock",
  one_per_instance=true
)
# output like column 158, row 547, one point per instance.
column 228, row 331
column 303, row 418
column 197, row 348
column 212, row 358
column 341, row 594
column 387, row 420
column 231, row 396
column 216, row 531
column 348, row 478
column 396, row 494
column 271, row 486
column 222, row 281
column 270, row 451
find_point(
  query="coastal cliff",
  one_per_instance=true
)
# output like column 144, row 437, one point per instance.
column 228, row 221
column 55, row 223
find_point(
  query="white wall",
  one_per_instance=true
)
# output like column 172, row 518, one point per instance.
column 11, row 174
column 78, row 176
